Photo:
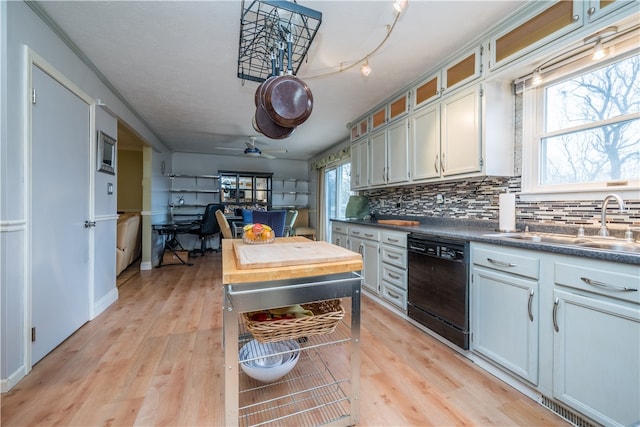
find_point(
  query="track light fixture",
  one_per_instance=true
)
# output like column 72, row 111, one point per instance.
column 365, row 70
column 598, row 51
column 536, row 78
column 399, row 5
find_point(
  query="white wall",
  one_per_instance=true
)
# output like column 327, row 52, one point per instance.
column 19, row 26
column 202, row 164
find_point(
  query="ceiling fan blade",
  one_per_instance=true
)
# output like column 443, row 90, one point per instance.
column 230, row 148
column 267, row 155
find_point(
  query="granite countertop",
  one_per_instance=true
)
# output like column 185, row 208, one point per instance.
column 481, row 231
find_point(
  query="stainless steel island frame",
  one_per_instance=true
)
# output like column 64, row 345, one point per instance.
column 323, row 388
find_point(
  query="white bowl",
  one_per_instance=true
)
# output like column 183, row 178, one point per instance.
column 268, row 362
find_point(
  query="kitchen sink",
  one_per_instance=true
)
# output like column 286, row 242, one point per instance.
column 562, row 239
column 594, row 242
column 622, row 246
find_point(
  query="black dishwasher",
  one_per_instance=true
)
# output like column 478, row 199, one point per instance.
column 438, row 290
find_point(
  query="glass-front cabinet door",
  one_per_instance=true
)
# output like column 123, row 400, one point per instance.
column 245, row 189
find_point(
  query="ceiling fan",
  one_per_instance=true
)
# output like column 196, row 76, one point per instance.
column 252, row 151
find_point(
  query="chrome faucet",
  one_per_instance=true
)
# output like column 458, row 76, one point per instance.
column 603, row 221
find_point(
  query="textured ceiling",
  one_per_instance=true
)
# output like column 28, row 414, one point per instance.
column 175, row 62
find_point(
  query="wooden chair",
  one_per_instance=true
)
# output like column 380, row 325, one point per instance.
column 302, row 225
column 224, row 225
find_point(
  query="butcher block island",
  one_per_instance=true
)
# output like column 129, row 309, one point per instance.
column 323, row 386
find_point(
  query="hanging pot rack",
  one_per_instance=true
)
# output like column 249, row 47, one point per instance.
column 266, row 26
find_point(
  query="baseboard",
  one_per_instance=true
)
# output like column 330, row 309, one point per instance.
column 104, row 302
column 8, row 383
column 146, row 266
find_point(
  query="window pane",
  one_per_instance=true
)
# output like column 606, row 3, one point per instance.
column 610, row 91
column 604, row 153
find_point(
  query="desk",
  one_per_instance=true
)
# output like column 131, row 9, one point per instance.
column 171, row 230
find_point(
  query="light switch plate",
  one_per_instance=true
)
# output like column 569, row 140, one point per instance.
column 109, row 188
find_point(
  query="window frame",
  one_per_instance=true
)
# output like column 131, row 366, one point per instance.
column 533, row 115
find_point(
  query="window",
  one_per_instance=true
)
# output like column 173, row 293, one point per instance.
column 337, row 184
column 586, row 136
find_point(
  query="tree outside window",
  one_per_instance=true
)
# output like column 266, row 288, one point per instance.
column 592, row 126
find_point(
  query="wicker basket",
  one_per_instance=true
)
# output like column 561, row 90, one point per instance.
column 326, row 315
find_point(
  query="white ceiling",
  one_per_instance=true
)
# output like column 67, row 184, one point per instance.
column 175, row 62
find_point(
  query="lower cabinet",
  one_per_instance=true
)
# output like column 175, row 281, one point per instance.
column 339, row 234
column 365, row 240
column 504, row 309
column 569, row 326
column 393, row 273
column 596, row 342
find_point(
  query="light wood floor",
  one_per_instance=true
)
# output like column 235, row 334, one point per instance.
column 155, row 358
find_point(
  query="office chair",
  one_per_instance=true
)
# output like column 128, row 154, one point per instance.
column 206, row 228
column 274, row 219
column 224, row 225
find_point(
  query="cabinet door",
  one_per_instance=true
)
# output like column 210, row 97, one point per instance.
column 596, row 349
column 505, row 321
column 378, row 153
column 599, row 8
column 425, row 143
column 360, row 164
column 398, row 152
column 369, row 250
column 339, row 239
column 461, row 134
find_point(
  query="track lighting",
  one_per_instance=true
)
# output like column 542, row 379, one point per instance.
column 365, row 70
column 399, row 5
column 536, row 78
column 598, row 51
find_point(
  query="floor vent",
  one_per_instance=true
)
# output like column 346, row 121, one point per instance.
column 567, row 414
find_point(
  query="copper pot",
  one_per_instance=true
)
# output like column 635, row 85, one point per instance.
column 263, row 123
column 287, row 100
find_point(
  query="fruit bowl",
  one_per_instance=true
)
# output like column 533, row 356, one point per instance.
column 270, row 361
column 258, row 234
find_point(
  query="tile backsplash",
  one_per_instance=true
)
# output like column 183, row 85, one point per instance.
column 478, row 199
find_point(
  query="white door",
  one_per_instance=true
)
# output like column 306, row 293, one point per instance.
column 59, row 208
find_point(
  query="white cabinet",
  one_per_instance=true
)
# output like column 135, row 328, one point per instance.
column 596, row 342
column 398, row 152
column 366, row 241
column 360, row 164
column 378, row 157
column 468, row 133
column 504, row 308
column 390, row 154
column 425, row 143
column 460, row 143
column 393, row 275
column 339, row 234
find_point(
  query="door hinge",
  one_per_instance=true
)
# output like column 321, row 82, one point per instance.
column 33, row 96
column 33, row 334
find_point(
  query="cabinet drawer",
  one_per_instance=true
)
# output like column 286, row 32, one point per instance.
column 394, row 275
column 394, row 238
column 394, row 255
column 365, row 233
column 618, row 281
column 394, row 295
column 509, row 262
column 339, row 227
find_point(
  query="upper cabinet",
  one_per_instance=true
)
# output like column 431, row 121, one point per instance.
column 456, row 73
column 360, row 164
column 552, row 21
column 359, row 129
